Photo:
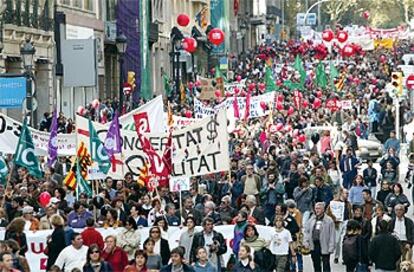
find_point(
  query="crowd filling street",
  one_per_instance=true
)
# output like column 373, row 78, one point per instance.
column 330, row 184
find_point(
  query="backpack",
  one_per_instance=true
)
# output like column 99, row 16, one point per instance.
column 264, row 259
column 350, row 249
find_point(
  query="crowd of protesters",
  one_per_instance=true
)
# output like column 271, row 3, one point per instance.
column 275, row 180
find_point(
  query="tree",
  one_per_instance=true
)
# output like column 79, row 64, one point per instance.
column 337, row 8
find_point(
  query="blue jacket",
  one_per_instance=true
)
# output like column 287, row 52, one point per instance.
column 355, row 195
column 208, row 268
column 392, row 143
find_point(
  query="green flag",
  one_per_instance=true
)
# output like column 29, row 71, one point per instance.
column 292, row 85
column 300, row 68
column 219, row 73
column 321, row 79
column 4, row 171
column 166, row 81
column 270, row 81
column 82, row 185
column 98, row 151
column 24, row 155
column 333, row 73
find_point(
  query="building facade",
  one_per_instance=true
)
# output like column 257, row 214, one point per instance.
column 33, row 20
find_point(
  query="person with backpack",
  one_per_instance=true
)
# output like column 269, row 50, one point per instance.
column 352, row 250
column 384, row 260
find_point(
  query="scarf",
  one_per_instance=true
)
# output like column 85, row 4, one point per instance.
column 251, row 239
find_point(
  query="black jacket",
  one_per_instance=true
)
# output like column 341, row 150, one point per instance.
column 105, row 267
column 55, row 246
column 370, row 179
column 198, row 241
column 409, row 229
column 165, row 251
column 20, row 238
column 384, row 259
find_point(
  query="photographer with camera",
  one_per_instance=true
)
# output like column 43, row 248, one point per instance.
column 212, row 241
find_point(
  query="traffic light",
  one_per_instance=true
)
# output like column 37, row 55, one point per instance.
column 131, row 79
column 397, row 82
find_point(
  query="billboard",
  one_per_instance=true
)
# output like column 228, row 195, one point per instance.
column 79, row 63
column 12, row 91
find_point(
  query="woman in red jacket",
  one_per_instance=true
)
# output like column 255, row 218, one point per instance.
column 114, row 255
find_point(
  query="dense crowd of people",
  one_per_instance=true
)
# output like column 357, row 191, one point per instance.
column 315, row 195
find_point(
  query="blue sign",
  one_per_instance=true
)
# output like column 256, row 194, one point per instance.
column 12, row 92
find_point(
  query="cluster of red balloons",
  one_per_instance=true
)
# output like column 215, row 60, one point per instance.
column 328, row 35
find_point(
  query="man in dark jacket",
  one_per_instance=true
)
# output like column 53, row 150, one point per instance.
column 348, row 166
column 212, row 240
column 384, row 259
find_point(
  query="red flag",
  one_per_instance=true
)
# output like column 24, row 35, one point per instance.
column 159, row 167
column 247, row 111
column 236, row 108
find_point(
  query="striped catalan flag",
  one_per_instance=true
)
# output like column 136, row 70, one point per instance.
column 341, row 82
column 84, row 162
column 144, row 176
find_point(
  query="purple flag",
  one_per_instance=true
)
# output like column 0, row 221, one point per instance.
column 52, row 146
column 113, row 139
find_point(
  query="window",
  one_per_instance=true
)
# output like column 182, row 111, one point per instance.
column 77, row 3
column 110, row 10
column 65, row 2
column 88, row 4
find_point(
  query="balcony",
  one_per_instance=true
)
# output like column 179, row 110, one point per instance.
column 29, row 14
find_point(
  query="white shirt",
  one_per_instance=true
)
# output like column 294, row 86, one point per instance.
column 399, row 229
column 157, row 247
column 279, row 244
column 71, row 258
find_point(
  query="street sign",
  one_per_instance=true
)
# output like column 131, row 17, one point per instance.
column 410, row 82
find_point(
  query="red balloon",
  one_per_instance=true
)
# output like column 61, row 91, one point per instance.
column 238, row 78
column 44, row 199
column 327, row 35
column 262, row 86
column 342, row 36
column 348, row 51
column 291, row 110
column 190, row 85
column 279, row 83
column 198, row 83
column 188, row 114
column 80, row 110
column 279, row 106
column 365, row 14
column 252, row 86
column 383, row 59
column 217, row 93
column 216, row 36
column 228, row 94
column 305, row 103
column 242, row 93
column 189, row 44
column 316, row 103
column 263, row 105
column 183, row 19
column 302, row 138
column 236, row 91
column 280, row 98
column 279, row 126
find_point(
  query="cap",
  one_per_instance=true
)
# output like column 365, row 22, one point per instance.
column 27, row 209
column 54, row 200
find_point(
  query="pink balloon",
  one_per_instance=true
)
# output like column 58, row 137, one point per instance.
column 305, row 103
column 280, row 98
column 302, row 138
column 319, row 94
column 198, row 83
column 217, row 93
column 44, row 199
column 317, row 103
column 236, row 91
column 279, row 106
column 188, row 114
column 262, row 86
column 252, row 86
column 80, row 110
column 291, row 110
column 238, row 78
column 190, row 85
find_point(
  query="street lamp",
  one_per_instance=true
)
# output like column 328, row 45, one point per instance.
column 176, row 37
column 27, row 51
column 121, row 45
column 243, row 30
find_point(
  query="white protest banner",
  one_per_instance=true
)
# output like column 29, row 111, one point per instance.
column 202, row 148
column 36, row 241
column 200, row 110
column 10, row 133
column 181, row 183
column 181, row 122
column 197, row 148
column 337, row 208
column 346, row 104
column 229, row 87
